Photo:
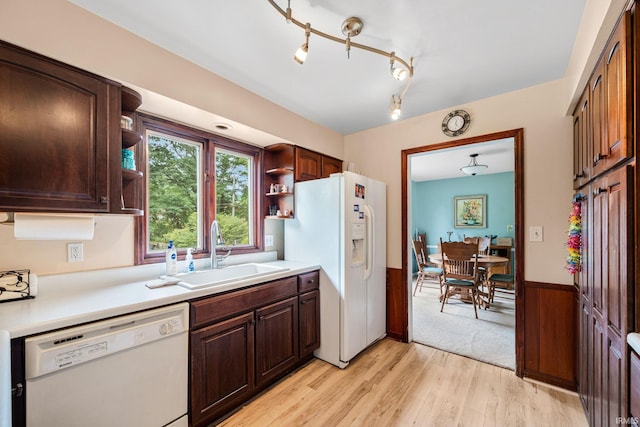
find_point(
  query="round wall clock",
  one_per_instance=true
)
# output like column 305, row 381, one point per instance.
column 456, row 123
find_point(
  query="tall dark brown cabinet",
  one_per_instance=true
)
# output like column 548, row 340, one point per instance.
column 604, row 176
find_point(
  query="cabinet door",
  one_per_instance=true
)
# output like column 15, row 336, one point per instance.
column 616, row 377
column 619, row 95
column 308, row 165
column 276, row 339
column 617, row 240
column 598, row 239
column 598, row 357
column 612, row 266
column 584, row 277
column 581, row 141
column 222, row 367
column 597, row 96
column 584, row 355
column 309, row 311
column 330, row 165
column 54, row 134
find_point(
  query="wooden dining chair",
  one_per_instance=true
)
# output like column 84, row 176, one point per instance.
column 425, row 269
column 484, row 248
column 423, row 241
column 459, row 270
column 500, row 281
column 484, row 243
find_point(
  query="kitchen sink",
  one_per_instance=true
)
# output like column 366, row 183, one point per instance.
column 219, row 276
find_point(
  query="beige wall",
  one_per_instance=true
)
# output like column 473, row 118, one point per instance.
column 548, row 154
column 61, row 30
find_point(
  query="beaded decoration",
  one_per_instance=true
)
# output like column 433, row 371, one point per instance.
column 574, row 242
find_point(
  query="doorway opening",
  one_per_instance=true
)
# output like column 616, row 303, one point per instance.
column 515, row 137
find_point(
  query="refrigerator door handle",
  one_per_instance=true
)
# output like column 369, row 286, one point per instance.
column 369, row 217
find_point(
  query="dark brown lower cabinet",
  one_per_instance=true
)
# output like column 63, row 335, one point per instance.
column 276, row 339
column 242, row 341
column 210, row 350
column 607, row 291
column 309, row 315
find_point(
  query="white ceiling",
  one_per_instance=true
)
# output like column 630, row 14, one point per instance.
column 463, row 50
column 446, row 163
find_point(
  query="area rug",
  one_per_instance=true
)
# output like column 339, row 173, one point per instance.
column 490, row 338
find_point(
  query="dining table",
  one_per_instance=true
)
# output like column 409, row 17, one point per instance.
column 485, row 261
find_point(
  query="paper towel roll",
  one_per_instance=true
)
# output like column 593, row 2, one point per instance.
column 33, row 284
column 30, row 226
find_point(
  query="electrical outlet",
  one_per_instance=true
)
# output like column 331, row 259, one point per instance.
column 268, row 239
column 535, row 233
column 75, row 252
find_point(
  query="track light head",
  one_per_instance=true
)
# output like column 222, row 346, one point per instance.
column 396, row 107
column 301, row 53
column 397, row 72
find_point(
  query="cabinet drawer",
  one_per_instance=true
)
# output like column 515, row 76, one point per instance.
column 308, row 281
column 218, row 307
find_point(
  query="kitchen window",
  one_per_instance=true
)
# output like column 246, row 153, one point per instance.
column 192, row 177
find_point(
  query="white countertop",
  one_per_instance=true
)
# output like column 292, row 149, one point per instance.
column 70, row 299
column 633, row 339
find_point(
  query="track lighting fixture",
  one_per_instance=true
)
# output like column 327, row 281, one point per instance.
column 301, row 53
column 351, row 27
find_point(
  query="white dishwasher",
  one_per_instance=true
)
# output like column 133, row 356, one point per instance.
column 131, row 370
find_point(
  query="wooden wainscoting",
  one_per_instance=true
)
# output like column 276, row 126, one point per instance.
column 397, row 310
column 550, row 333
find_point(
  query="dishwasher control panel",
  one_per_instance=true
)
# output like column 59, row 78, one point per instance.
column 58, row 350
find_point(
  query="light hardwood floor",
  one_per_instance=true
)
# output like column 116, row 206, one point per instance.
column 397, row 384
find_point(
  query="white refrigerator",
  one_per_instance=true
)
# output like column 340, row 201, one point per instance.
column 340, row 223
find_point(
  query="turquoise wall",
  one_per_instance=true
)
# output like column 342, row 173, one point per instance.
column 432, row 206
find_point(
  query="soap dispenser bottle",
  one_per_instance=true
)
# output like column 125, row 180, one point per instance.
column 171, row 259
column 188, row 262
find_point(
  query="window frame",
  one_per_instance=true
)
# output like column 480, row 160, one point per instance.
column 210, row 142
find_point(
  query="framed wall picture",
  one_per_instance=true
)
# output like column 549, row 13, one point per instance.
column 470, row 211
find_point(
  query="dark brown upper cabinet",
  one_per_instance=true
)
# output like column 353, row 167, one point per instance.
column 286, row 164
column 611, row 100
column 61, row 140
column 54, row 135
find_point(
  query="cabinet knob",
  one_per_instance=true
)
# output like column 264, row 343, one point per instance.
column 305, row 301
column 104, row 200
column 598, row 191
column 578, row 175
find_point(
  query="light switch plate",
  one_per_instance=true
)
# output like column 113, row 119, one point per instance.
column 268, row 239
column 535, row 233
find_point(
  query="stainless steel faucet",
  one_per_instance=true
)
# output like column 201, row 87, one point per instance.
column 216, row 239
